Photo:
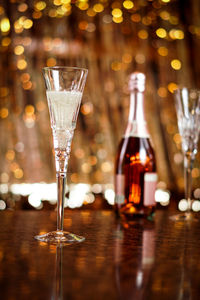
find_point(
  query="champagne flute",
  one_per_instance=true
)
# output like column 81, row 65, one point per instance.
column 64, row 89
column 187, row 102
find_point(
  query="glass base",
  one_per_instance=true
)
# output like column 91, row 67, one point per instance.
column 59, row 237
column 187, row 216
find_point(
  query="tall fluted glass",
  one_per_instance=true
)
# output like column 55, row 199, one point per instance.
column 187, row 103
column 64, row 89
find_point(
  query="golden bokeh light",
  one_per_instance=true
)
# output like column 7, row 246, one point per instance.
column 29, row 110
column 10, row 155
column 117, row 13
column 136, row 18
column 161, row 33
column 4, row 91
column 6, row 41
column 117, row 19
column 5, row 25
column 177, row 138
column 57, row 2
column 176, row 64
column 51, row 62
column 162, row 92
column 28, row 23
column 98, row 7
column 22, row 7
column 128, row 4
column 143, row 34
column 40, row 5
column 18, row 173
column 164, row 15
column 176, row 34
column 163, row 51
column 83, row 25
column 116, row 66
column 4, row 113
column 195, row 173
column 106, row 166
column 127, row 58
column 79, row 153
column 25, row 77
column 172, row 87
column 19, row 50
column 21, row 64
column 37, row 14
column 27, row 85
column 91, row 12
column 86, row 168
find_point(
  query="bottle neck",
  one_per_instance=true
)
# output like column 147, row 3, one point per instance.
column 137, row 126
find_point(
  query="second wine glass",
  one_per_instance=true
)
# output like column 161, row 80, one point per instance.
column 187, row 102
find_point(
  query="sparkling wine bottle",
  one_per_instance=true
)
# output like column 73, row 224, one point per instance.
column 135, row 170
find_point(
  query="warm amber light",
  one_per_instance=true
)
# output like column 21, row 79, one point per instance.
column 165, row 1
column 4, row 113
column 118, row 20
column 18, row 173
column 22, row 7
column 106, row 167
column 117, row 12
column 51, row 62
column 164, row 15
column 83, row 25
column 83, row 6
column 28, row 23
column 127, row 58
column 163, row 51
column 176, row 34
column 86, row 168
column 6, row 41
column 128, row 4
column 91, row 12
column 161, row 33
column 176, row 64
column 98, row 7
column 40, row 5
column 172, row 87
column 136, row 18
column 162, row 92
column 5, row 25
column 21, row 64
column 4, row 91
column 116, row 66
column 19, row 50
column 195, row 173
column 29, row 110
column 177, row 138
column 10, row 155
column 143, row 34
column 57, row 2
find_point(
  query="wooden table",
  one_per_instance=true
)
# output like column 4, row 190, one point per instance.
column 146, row 260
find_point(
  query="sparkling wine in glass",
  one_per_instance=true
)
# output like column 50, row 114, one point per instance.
column 187, row 103
column 64, row 89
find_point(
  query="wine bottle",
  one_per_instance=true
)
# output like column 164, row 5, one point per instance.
column 135, row 169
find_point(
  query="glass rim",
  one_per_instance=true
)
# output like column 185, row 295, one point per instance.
column 64, row 68
column 181, row 88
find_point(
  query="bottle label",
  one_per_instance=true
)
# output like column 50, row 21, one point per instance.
column 137, row 129
column 119, row 188
column 150, row 182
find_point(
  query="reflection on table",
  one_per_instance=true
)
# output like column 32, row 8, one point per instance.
column 144, row 260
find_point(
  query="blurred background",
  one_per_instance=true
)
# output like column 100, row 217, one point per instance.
column 112, row 39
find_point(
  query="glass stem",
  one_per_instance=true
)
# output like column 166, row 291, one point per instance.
column 188, row 164
column 61, row 182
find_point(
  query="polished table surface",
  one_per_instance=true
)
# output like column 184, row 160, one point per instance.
column 145, row 260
